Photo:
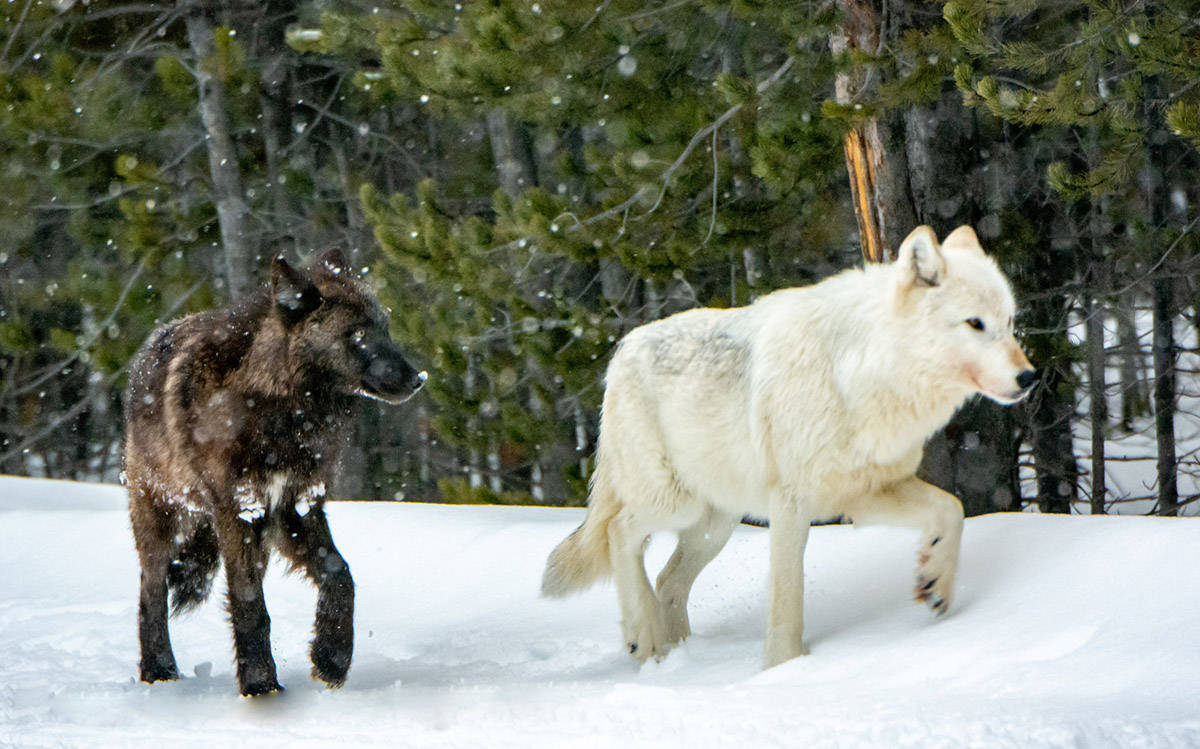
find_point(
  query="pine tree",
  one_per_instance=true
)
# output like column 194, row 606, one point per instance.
column 678, row 158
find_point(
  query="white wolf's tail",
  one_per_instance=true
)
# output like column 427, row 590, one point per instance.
column 582, row 558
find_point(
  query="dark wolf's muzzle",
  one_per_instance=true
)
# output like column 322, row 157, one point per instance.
column 388, row 377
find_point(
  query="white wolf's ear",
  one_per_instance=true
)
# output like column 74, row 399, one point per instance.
column 962, row 238
column 919, row 260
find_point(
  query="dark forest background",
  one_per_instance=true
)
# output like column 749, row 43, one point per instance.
column 524, row 182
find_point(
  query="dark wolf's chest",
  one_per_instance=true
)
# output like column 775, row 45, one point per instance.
column 295, row 436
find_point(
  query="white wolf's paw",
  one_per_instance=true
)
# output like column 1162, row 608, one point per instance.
column 935, row 575
column 783, row 644
column 646, row 639
column 677, row 627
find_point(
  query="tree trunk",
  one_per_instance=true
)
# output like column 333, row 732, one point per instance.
column 513, row 161
column 581, row 440
column 1098, row 410
column 1096, row 272
column 1052, row 410
column 874, row 146
column 1164, row 393
column 941, row 139
column 1163, row 300
column 222, row 156
column 493, row 464
column 474, row 466
column 511, row 152
column 274, row 120
column 1135, row 401
column 1051, row 407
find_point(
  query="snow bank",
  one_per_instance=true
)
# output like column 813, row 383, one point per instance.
column 1067, row 631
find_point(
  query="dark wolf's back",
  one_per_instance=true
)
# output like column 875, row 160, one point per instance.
column 216, row 339
column 177, row 368
column 147, row 373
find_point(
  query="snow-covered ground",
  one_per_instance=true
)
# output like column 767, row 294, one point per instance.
column 1067, row 631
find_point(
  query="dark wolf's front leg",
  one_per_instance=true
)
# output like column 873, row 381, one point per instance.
column 308, row 544
column 152, row 534
column 245, row 560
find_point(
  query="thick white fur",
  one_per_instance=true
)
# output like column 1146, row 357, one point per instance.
column 810, row 403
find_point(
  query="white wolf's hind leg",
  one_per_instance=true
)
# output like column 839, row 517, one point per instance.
column 698, row 545
column 938, row 515
column 641, row 616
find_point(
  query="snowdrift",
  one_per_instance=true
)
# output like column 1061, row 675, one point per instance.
column 1067, row 631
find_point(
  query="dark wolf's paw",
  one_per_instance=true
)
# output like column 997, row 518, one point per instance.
column 258, row 688
column 152, row 672
column 257, row 679
column 330, row 664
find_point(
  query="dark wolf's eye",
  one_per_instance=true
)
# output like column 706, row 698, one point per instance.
column 358, row 335
column 975, row 323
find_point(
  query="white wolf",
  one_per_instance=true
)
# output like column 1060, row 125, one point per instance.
column 810, row 403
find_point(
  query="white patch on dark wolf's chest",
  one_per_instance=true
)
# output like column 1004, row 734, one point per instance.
column 308, row 498
column 256, row 499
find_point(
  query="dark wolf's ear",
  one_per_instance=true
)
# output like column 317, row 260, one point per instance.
column 294, row 294
column 920, row 261
column 333, row 261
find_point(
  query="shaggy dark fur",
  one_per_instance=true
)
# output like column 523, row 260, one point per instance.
column 233, row 422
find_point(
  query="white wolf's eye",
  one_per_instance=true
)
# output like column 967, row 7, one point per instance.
column 975, row 323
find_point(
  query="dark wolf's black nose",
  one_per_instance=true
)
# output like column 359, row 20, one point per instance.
column 418, row 380
column 1026, row 379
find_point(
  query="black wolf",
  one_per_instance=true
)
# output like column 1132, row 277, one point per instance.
column 233, row 422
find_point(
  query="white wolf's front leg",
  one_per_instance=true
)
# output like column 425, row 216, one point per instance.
column 785, row 620
column 938, row 515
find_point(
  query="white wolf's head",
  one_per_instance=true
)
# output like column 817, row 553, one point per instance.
column 960, row 307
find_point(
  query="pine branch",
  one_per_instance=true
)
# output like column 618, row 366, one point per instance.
column 665, row 177
column 703, row 132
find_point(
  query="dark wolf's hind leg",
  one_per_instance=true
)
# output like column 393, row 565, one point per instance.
column 245, row 557
column 153, row 534
column 190, row 575
column 308, row 545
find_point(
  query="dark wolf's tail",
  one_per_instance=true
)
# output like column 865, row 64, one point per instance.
column 583, row 557
column 190, row 575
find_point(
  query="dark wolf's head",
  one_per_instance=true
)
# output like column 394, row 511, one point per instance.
column 337, row 331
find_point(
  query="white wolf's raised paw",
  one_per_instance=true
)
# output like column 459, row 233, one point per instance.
column 928, row 591
column 935, row 576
